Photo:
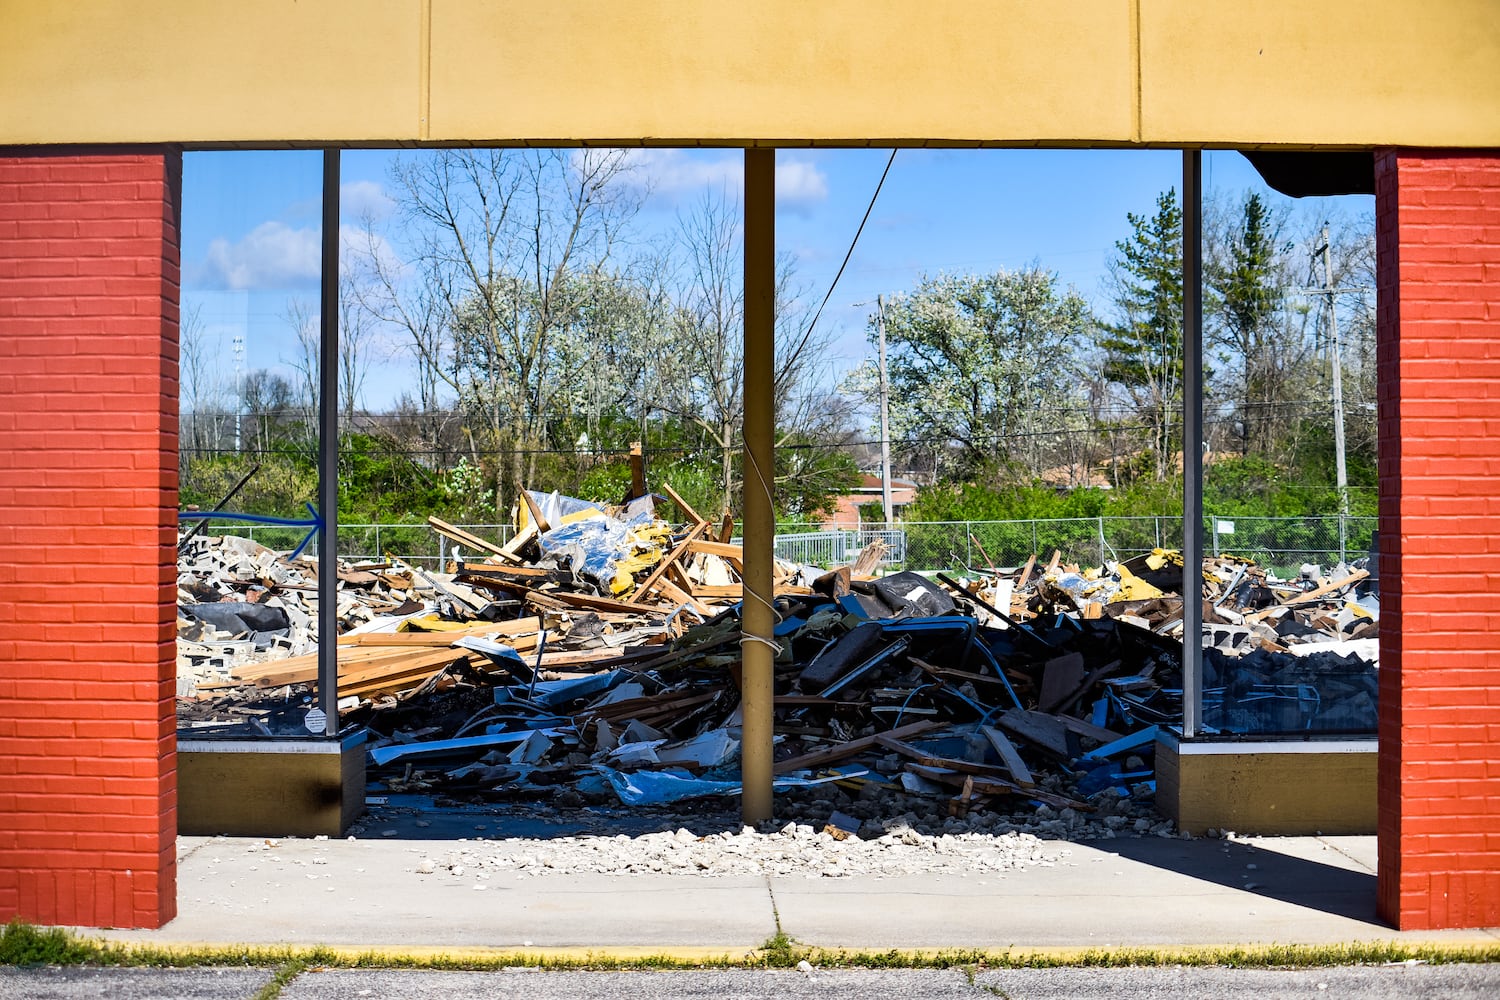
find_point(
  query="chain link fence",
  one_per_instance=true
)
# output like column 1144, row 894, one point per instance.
column 1281, row 544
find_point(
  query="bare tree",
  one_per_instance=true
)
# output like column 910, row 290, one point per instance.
column 354, row 336
column 392, row 294
column 300, row 316
column 703, row 372
column 203, row 395
column 500, row 239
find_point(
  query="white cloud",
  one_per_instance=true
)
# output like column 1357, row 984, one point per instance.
column 671, row 174
column 272, row 255
column 365, row 199
column 799, row 184
column 360, row 245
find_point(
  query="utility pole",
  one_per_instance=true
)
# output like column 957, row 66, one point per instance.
column 238, row 344
column 885, row 419
column 1341, row 471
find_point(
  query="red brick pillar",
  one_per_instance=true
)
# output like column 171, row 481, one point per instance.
column 88, row 500
column 1438, row 236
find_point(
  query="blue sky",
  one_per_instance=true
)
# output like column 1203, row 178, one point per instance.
column 251, row 220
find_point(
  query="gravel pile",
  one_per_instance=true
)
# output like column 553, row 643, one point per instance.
column 791, row 851
column 912, row 843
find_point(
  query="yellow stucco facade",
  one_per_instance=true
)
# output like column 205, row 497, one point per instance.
column 1350, row 73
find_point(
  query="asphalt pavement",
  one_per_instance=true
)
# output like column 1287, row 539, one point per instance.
column 1451, row 982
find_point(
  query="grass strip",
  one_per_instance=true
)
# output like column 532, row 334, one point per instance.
column 22, row 944
column 285, row 973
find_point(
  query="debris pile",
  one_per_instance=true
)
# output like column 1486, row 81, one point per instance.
column 593, row 660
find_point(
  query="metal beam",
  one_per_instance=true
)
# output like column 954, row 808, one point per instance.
column 758, row 617
column 1192, row 441
column 328, row 452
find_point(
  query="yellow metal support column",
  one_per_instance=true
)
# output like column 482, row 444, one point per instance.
column 759, row 618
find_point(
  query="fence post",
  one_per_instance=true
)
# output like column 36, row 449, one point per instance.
column 1214, row 524
column 1035, row 542
column 968, row 545
column 1343, row 539
column 1101, row 541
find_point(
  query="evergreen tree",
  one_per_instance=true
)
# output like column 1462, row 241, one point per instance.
column 1143, row 351
column 1244, row 279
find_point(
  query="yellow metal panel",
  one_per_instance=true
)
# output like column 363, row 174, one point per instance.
column 945, row 72
column 208, row 70
column 836, row 70
column 1356, row 72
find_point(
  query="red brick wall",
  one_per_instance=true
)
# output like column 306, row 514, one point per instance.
column 1438, row 233
column 88, row 499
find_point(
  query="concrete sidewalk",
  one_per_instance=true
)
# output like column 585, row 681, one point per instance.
column 1112, row 893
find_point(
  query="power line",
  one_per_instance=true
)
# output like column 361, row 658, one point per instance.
column 868, row 209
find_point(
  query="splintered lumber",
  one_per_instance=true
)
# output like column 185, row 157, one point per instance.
column 995, row 786
column 637, row 471
column 1310, row 596
column 376, row 671
column 678, row 551
column 682, row 504
column 726, row 529
column 722, row 591
column 564, row 598
column 724, row 550
column 1026, row 572
column 728, row 551
column 869, row 557
column 833, row 754
column 537, row 519
column 677, row 595
column 456, row 534
column 1019, row 772
column 511, row 551
column 1094, row 676
column 506, row 576
column 931, row 760
column 650, row 710
column 1061, row 677
column 1043, row 731
column 1087, row 730
column 986, row 556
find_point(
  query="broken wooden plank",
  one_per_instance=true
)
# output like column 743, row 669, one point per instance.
column 1019, row 772
column 833, row 754
column 1087, row 730
column 672, row 592
column 511, row 550
column 1043, row 731
column 1327, row 590
column 724, row 550
column 994, row 786
column 1095, row 675
column 537, row 519
column 637, row 471
column 456, row 534
column 1061, row 677
column 687, row 508
column 932, row 760
column 1026, row 572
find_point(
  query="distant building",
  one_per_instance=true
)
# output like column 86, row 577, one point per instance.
column 847, row 513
